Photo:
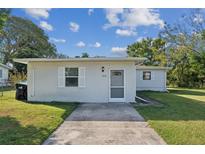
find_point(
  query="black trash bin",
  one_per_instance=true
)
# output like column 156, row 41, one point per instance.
column 21, row 90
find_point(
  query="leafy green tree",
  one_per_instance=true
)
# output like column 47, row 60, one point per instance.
column 180, row 73
column 186, row 41
column 198, row 69
column 85, row 55
column 23, row 39
column 4, row 13
column 61, row 56
column 152, row 49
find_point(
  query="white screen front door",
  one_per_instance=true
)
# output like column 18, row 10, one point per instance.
column 117, row 89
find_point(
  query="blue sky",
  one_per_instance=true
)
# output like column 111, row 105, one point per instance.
column 102, row 32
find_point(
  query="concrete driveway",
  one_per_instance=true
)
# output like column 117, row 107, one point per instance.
column 105, row 112
column 104, row 124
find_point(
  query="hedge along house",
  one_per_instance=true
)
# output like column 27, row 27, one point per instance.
column 92, row 80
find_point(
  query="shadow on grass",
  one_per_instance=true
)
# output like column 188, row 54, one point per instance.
column 174, row 107
column 69, row 107
column 187, row 92
column 12, row 132
column 4, row 89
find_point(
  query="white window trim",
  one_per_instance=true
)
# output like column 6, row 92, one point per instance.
column 68, row 76
column 150, row 75
column 82, row 74
column 62, row 77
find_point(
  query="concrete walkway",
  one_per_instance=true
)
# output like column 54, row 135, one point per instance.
column 104, row 124
column 105, row 112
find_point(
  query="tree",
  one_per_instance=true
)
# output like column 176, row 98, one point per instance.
column 4, row 13
column 85, row 55
column 198, row 68
column 180, row 73
column 186, row 41
column 61, row 56
column 23, row 39
column 152, row 49
column 187, row 32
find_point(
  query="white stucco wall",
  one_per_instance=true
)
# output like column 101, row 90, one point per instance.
column 157, row 82
column 4, row 74
column 43, row 82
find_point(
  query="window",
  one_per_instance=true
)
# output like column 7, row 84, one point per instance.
column 1, row 73
column 146, row 75
column 71, row 77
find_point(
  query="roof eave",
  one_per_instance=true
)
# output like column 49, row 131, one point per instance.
column 21, row 61
column 27, row 60
column 5, row 66
column 153, row 68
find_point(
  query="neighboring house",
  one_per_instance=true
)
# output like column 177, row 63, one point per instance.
column 4, row 71
column 90, row 79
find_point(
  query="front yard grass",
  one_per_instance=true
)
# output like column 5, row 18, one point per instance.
column 181, row 119
column 29, row 123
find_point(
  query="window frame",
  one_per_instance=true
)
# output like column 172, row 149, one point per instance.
column 144, row 75
column 71, row 76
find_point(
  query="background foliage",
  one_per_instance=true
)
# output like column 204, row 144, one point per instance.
column 180, row 45
column 21, row 38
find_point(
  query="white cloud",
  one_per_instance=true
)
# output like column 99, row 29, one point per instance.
column 46, row 26
column 112, row 17
column 125, row 32
column 139, row 39
column 198, row 18
column 38, row 12
column 132, row 18
column 90, row 12
column 119, row 50
column 81, row 44
column 74, row 27
column 57, row 40
column 96, row 45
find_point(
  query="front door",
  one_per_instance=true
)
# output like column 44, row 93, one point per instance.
column 117, row 90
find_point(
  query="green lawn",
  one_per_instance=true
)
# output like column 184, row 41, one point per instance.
column 181, row 119
column 29, row 123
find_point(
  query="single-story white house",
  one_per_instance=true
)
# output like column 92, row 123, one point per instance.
column 4, row 71
column 93, row 80
column 152, row 78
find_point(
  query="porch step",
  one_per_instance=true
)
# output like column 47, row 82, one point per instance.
column 142, row 100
